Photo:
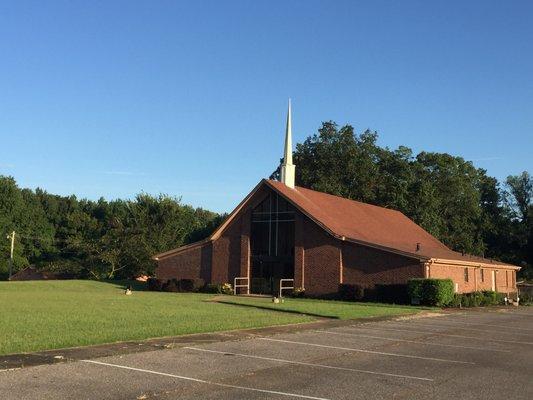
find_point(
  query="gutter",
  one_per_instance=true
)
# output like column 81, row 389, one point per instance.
column 478, row 264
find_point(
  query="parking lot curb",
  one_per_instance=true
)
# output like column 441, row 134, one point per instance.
column 23, row 360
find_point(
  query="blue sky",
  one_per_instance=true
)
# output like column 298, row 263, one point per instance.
column 112, row 98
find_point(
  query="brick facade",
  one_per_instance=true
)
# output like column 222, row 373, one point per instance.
column 321, row 261
column 479, row 278
column 366, row 266
column 194, row 263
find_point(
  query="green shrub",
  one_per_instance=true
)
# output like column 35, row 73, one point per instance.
column 477, row 299
column 217, row 288
column 431, row 292
column 172, row 285
column 415, row 290
column 226, row 288
column 491, row 298
column 186, row 285
column 526, row 299
column 155, row 284
column 297, row 292
column 392, row 293
column 350, row 292
column 210, row 288
column 457, row 300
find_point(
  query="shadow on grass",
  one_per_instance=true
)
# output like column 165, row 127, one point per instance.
column 124, row 283
column 392, row 305
column 276, row 309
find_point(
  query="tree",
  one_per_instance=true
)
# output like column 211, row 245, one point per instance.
column 446, row 200
column 519, row 195
column 338, row 162
column 438, row 191
column 22, row 213
column 518, row 200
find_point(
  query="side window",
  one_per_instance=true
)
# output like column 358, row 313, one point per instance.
column 482, row 275
column 466, row 274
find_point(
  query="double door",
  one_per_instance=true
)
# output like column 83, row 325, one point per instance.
column 266, row 274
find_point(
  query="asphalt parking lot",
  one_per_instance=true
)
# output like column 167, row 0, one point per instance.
column 464, row 355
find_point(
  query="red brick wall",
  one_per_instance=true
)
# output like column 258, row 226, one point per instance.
column 321, row 259
column 317, row 261
column 227, row 253
column 194, row 263
column 505, row 279
column 366, row 266
column 245, row 243
column 299, row 250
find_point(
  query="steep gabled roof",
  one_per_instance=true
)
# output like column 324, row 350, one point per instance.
column 370, row 225
column 358, row 222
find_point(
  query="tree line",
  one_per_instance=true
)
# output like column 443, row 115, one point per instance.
column 448, row 196
column 94, row 239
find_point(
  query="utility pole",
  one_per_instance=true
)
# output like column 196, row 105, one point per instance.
column 12, row 237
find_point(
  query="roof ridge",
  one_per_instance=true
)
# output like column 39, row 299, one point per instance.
column 339, row 197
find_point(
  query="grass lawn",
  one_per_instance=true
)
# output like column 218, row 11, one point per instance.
column 42, row 315
column 326, row 308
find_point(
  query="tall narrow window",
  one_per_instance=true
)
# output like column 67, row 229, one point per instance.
column 466, row 274
column 272, row 239
column 507, row 278
column 482, row 275
column 273, row 228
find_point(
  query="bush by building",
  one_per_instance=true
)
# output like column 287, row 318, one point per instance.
column 478, row 299
column 391, row 293
column 217, row 288
column 431, row 292
column 155, row 284
column 172, row 285
column 350, row 292
column 297, row 292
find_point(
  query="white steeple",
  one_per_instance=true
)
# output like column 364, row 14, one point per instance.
column 287, row 167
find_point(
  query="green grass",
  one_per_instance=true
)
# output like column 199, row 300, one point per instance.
column 325, row 308
column 42, row 315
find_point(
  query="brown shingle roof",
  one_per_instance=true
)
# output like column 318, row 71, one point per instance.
column 355, row 221
column 368, row 224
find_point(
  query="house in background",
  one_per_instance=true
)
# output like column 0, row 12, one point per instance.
column 281, row 231
column 33, row 274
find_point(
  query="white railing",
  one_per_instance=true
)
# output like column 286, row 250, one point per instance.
column 240, row 285
column 282, row 288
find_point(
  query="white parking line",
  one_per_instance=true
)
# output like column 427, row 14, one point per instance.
column 367, row 351
column 301, row 396
column 439, row 334
column 510, row 313
column 506, row 327
column 413, row 341
column 460, row 327
column 310, row 364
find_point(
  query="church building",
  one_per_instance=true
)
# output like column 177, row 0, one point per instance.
column 316, row 241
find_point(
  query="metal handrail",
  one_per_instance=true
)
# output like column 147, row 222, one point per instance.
column 247, row 285
column 281, row 287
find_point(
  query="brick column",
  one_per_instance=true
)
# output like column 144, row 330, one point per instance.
column 245, row 245
column 299, row 268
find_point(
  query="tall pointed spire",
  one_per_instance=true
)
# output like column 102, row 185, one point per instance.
column 287, row 167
